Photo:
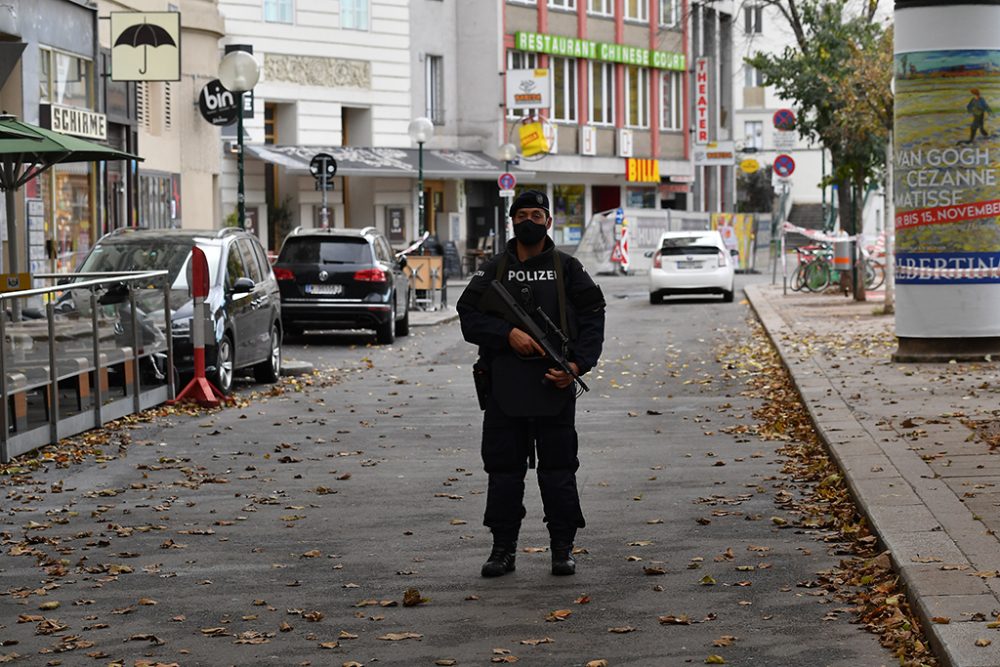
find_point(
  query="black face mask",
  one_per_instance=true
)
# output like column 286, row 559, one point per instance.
column 528, row 232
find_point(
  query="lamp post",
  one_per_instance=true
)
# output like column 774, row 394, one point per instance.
column 508, row 153
column 421, row 130
column 239, row 72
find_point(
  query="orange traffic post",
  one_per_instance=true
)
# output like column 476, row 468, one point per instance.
column 199, row 389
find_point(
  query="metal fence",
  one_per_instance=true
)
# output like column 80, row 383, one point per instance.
column 99, row 348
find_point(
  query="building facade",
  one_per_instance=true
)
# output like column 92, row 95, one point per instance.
column 335, row 75
column 176, row 184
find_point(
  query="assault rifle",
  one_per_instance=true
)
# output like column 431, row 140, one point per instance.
column 527, row 324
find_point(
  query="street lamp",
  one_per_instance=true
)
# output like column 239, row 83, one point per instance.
column 421, row 130
column 239, row 72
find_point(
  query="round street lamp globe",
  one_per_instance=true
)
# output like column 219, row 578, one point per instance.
column 421, row 130
column 508, row 152
column 239, row 71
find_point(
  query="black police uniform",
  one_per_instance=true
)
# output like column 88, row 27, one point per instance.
column 509, row 439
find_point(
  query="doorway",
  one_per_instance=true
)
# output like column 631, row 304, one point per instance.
column 433, row 204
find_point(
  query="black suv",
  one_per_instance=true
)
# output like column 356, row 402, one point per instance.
column 342, row 279
column 243, row 305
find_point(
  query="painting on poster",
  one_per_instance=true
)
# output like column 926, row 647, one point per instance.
column 947, row 155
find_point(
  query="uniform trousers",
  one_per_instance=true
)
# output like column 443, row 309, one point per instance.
column 507, row 445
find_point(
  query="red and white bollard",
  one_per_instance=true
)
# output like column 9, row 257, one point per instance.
column 199, row 389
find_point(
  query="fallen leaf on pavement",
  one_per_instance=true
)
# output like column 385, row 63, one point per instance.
column 399, row 636
column 536, row 642
column 558, row 615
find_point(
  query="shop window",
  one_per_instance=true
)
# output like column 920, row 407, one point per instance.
column 602, row 93
column 636, row 97
column 65, row 191
column 434, row 88
column 521, row 60
column 640, row 197
column 65, row 79
column 601, row 7
column 354, row 14
column 563, row 75
column 157, row 206
column 567, row 213
column 278, row 11
column 672, row 101
column 669, row 12
column 637, row 10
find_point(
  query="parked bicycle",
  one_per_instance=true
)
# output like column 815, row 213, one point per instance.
column 816, row 271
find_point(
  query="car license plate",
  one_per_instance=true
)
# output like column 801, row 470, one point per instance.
column 688, row 265
column 324, row 289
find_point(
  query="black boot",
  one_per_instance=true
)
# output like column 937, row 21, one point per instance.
column 501, row 560
column 563, row 563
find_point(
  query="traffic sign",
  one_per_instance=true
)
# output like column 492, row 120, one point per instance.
column 507, row 193
column 749, row 165
column 323, row 166
column 784, row 119
column 506, row 181
column 784, row 165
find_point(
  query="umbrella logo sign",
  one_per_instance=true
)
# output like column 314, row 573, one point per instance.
column 145, row 46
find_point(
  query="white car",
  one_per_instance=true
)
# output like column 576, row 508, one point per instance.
column 695, row 262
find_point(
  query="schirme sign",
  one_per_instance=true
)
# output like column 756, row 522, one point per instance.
column 572, row 47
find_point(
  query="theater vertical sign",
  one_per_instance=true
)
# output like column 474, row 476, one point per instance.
column 946, row 186
column 702, row 99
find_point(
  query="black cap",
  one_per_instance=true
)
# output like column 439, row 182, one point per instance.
column 530, row 199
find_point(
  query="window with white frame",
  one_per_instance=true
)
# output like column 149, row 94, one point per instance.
column 521, row 60
column 563, row 4
column 522, row 2
column 562, row 73
column 672, row 101
column 636, row 96
column 753, row 19
column 670, row 12
column 434, row 88
column 354, row 14
column 601, row 7
column 637, row 10
column 752, row 77
column 602, row 93
column 753, row 134
column 278, row 11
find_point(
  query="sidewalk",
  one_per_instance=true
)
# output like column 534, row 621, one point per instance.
column 912, row 440
column 427, row 318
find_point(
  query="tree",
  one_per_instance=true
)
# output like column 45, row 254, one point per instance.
column 813, row 74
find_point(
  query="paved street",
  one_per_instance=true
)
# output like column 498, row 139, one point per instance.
column 287, row 532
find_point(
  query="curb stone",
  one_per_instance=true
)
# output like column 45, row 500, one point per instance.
column 911, row 511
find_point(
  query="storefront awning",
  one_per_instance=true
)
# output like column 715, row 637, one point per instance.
column 386, row 162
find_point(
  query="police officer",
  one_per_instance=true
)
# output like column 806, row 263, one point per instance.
column 531, row 404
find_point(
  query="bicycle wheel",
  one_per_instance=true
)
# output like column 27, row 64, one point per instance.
column 874, row 274
column 798, row 278
column 817, row 276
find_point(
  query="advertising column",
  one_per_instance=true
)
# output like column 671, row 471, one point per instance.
column 946, row 187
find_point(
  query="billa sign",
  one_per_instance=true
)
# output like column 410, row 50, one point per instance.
column 74, row 120
column 642, row 171
column 527, row 89
column 702, row 98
